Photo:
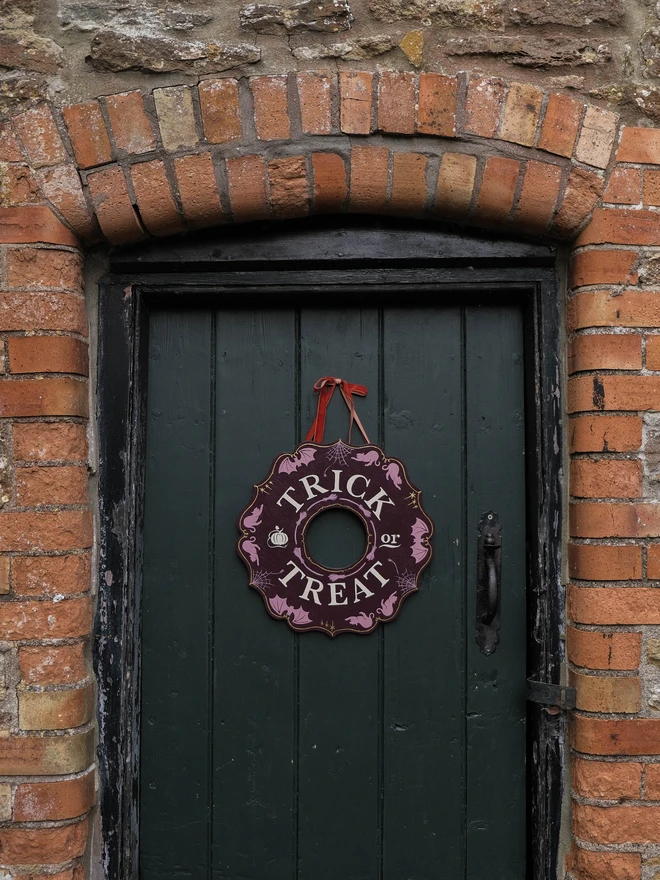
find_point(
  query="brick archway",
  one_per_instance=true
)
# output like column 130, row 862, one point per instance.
column 471, row 150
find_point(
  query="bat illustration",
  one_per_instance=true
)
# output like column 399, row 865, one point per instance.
column 362, row 619
column 368, row 458
column 292, row 462
column 254, row 519
column 387, row 606
column 279, row 605
column 392, row 473
column 251, row 548
column 418, row 548
column 299, row 615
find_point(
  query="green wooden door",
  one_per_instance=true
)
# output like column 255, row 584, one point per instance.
column 267, row 755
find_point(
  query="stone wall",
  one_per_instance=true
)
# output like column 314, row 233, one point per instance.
column 69, row 50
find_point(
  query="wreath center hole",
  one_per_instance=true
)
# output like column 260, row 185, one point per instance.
column 336, row 538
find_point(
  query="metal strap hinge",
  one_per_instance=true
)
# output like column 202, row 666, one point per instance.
column 547, row 694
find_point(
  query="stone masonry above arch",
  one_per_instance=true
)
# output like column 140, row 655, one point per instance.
column 465, row 149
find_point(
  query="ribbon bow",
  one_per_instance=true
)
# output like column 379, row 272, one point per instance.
column 326, row 388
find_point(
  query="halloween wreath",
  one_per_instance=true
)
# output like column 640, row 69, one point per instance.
column 313, row 479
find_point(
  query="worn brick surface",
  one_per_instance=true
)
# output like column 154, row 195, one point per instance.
column 369, row 179
column 176, row 117
column 408, row 184
column 247, row 188
column 605, row 351
column 49, row 441
column 606, row 693
column 39, row 135
column 483, row 107
column 356, row 96
column 396, row 102
column 315, row 97
column 628, row 606
column 155, row 201
column 51, row 575
column 198, row 191
column 613, row 308
column 583, row 190
column 603, row 650
column 48, row 354
column 43, row 397
column 436, row 112
column 639, row 145
column 221, row 114
column 522, row 110
column 42, row 310
column 32, row 267
column 455, row 184
column 498, row 187
column 88, row 134
column 606, row 479
column 289, row 188
column 594, row 145
column 53, row 664
column 602, row 562
column 603, row 267
column 271, row 116
column 621, row 226
column 614, row 519
column 606, row 779
column 613, row 392
column 616, row 824
column 538, row 199
column 55, row 710
column 62, row 187
column 113, row 206
column 31, row 224
column 330, row 185
column 51, row 485
column 130, row 124
column 625, row 187
column 560, row 125
column 54, row 800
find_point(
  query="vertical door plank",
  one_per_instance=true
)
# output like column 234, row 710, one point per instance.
column 176, row 577
column 339, row 809
column 496, row 684
column 254, row 663
column 424, row 647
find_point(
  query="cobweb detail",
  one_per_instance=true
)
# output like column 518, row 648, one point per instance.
column 262, row 579
column 339, row 454
column 406, row 582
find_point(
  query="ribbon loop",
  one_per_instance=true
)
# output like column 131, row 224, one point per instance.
column 325, row 388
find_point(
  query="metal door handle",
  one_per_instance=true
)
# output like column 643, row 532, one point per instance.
column 489, row 574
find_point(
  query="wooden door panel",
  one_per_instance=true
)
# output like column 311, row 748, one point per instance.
column 393, row 756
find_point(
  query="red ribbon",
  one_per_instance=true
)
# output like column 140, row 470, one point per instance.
column 326, row 388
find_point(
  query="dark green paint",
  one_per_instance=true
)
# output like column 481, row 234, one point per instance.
column 393, row 756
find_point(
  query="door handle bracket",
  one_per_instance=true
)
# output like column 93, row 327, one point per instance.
column 556, row 695
column 489, row 575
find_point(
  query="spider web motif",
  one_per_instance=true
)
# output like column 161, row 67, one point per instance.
column 406, row 581
column 339, row 454
column 262, row 579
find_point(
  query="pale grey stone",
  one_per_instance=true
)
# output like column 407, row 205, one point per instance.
column 571, row 13
column 540, row 52
column 351, row 50
column 446, row 13
column 122, row 13
column 327, row 16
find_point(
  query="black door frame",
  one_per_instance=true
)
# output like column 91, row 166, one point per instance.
column 328, row 257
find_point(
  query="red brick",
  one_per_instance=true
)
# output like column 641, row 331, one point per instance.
column 616, row 824
column 594, row 146
column 603, row 267
column 50, row 801
column 608, row 606
column 43, row 397
column 610, row 478
column 51, row 485
column 369, row 177
column 522, row 110
column 315, row 96
column 18, row 186
column 604, row 650
column 606, row 693
column 5, row 575
column 639, row 145
column 605, row 351
column 408, row 184
column 53, row 664
column 621, row 226
column 330, row 186
column 485, row 98
column 396, row 102
column 652, row 778
column 615, row 520
column 32, row 224
column 130, row 124
column 65, row 619
column 33, row 310
column 271, row 116
column 32, row 267
column 198, row 190
column 48, row 354
column 51, row 575
column 587, row 865
column 40, row 755
column 560, row 125
column 355, row 89
column 583, row 190
column 221, row 113
column 607, row 779
column 598, row 736
column 157, row 207
column 652, row 357
column 55, row 709
column 538, row 198
column 88, row 134
column 289, row 188
column 41, row 139
column 436, row 112
column 651, row 190
column 602, row 562
column 10, row 150
column 653, row 561
column 37, row 846
column 605, row 308
column 605, row 434
column 624, row 187
column 455, row 185
column 49, row 441
column 614, row 392
column 61, row 186
column 113, row 207
column 247, row 188
column 498, row 188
